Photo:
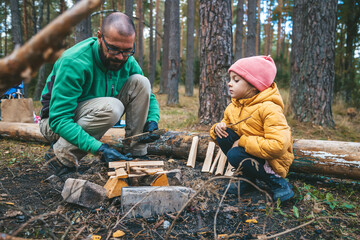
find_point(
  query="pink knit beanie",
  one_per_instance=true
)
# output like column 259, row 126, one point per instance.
column 259, row 71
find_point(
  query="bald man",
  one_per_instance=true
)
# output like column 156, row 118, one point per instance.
column 90, row 87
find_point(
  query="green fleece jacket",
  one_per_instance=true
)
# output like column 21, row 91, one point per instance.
column 80, row 75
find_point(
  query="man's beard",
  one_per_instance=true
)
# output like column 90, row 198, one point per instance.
column 110, row 64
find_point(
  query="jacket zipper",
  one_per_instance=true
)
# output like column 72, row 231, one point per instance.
column 112, row 90
column 105, row 83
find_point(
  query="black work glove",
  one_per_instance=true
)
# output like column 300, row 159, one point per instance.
column 150, row 126
column 109, row 154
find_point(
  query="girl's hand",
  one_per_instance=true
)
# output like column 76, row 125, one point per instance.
column 220, row 130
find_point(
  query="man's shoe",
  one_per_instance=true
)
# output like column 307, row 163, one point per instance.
column 53, row 162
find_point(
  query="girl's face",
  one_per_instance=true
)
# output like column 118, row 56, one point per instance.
column 239, row 88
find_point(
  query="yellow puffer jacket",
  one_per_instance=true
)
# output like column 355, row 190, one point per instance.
column 266, row 133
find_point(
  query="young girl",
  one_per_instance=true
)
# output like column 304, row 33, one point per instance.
column 264, row 135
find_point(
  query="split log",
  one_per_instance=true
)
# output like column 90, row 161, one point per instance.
column 333, row 158
column 45, row 46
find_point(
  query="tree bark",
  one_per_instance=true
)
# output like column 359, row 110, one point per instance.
column 189, row 80
column 129, row 6
column 140, row 37
column 157, row 28
column 251, row 34
column 333, row 158
column 152, row 55
column 165, row 57
column 16, row 23
column 44, row 46
column 174, row 54
column 352, row 35
column 83, row 29
column 258, row 28
column 279, row 37
column 239, row 30
column 215, row 59
column 313, row 54
column 25, row 20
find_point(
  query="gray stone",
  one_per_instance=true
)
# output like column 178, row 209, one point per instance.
column 174, row 177
column 83, row 193
column 159, row 200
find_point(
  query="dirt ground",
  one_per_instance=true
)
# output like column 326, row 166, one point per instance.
column 32, row 207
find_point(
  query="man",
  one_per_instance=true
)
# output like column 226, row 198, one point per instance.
column 90, row 87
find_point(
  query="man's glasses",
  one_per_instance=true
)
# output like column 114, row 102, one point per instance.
column 113, row 51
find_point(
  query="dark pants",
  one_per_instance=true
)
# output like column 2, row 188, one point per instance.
column 237, row 154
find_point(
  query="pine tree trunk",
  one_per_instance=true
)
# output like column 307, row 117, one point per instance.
column 258, row 28
column 215, row 59
column 313, row 55
column 140, row 46
column 129, row 7
column 239, row 30
column 16, row 23
column 278, row 40
column 157, row 29
column 165, row 57
column 26, row 37
column 6, row 31
column 83, row 29
column 251, row 34
column 174, row 53
column 152, row 55
column 189, row 81
column 352, row 39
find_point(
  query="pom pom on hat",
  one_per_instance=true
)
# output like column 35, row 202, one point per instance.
column 259, row 71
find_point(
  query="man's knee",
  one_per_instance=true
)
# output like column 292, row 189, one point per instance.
column 140, row 81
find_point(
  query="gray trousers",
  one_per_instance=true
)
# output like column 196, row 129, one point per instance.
column 98, row 115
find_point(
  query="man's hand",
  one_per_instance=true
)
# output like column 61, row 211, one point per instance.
column 220, row 130
column 109, row 154
column 150, row 126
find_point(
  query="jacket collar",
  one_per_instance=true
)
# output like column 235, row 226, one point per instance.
column 96, row 55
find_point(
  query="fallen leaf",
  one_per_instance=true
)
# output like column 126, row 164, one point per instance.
column 223, row 236
column 10, row 203
column 118, row 233
column 251, row 221
column 158, row 223
column 261, row 236
column 13, row 213
column 231, row 209
column 171, row 160
column 95, row 237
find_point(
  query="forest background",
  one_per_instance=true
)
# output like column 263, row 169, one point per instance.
column 261, row 27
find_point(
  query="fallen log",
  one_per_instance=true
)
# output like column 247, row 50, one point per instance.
column 332, row 158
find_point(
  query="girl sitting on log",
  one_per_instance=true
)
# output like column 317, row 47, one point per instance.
column 260, row 146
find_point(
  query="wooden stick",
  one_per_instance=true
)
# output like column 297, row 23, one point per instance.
column 193, row 150
column 138, row 137
column 122, row 164
column 221, row 165
column 209, row 157
column 238, row 122
column 120, row 172
column 132, row 175
column 213, row 166
column 229, row 171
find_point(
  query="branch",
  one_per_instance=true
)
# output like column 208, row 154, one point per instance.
column 45, row 46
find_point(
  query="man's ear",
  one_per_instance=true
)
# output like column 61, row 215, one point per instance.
column 99, row 35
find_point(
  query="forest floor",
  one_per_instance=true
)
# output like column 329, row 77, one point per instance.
column 322, row 208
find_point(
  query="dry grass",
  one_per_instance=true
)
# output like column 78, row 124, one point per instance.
column 184, row 117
